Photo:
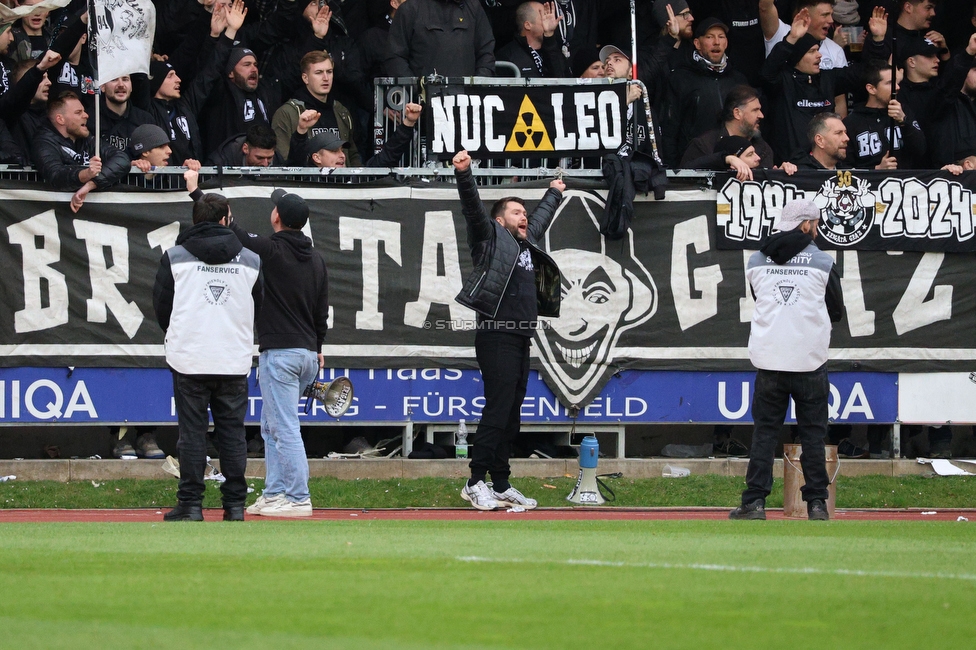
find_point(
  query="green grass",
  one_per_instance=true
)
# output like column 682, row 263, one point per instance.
column 705, row 490
column 389, row 584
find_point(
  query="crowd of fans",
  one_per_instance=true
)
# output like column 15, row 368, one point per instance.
column 731, row 84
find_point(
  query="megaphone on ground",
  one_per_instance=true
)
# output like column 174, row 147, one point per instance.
column 587, row 490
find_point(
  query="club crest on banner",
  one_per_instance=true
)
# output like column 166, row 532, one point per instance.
column 846, row 205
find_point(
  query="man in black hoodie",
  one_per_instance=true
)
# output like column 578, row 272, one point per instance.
column 883, row 134
column 118, row 116
column 207, row 292
column 798, row 89
column 291, row 330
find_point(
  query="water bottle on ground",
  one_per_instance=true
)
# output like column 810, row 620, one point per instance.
column 461, row 440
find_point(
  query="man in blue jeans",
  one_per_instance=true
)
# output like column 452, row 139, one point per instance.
column 798, row 296
column 291, row 330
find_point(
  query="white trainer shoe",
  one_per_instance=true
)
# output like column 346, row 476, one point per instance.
column 512, row 497
column 282, row 507
column 479, row 496
column 262, row 502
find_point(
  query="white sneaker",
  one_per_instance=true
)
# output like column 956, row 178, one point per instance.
column 512, row 497
column 282, row 507
column 479, row 496
column 262, row 502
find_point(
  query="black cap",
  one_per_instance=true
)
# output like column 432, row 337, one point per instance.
column 732, row 145
column 292, row 209
column 707, row 24
column 147, row 136
column 325, row 140
column 917, row 47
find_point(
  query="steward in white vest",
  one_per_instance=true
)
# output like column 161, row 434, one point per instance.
column 207, row 293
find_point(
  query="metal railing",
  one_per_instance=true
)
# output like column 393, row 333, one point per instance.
column 171, row 178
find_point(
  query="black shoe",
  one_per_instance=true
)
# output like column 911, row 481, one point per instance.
column 730, row 447
column 234, row 513
column 847, row 449
column 184, row 512
column 817, row 510
column 753, row 510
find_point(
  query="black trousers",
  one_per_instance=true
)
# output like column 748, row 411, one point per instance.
column 504, row 361
column 810, row 391
column 226, row 396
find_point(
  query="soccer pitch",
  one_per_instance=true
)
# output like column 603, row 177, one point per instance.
column 518, row 584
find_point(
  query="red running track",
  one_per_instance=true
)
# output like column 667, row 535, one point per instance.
column 450, row 514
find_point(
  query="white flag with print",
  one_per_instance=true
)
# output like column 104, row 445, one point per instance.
column 122, row 35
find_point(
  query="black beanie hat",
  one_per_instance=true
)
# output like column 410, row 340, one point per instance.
column 585, row 56
column 236, row 55
column 801, row 47
column 158, row 70
column 732, row 145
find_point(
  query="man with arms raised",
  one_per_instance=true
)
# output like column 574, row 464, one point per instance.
column 513, row 284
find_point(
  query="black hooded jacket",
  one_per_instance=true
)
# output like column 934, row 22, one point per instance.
column 295, row 312
column 795, row 97
column 870, row 131
column 179, row 117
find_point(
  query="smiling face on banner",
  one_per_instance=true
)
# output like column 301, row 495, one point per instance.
column 604, row 294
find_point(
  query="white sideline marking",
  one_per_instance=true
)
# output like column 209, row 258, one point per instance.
column 731, row 569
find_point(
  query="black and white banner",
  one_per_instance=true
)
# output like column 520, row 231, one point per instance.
column 121, row 34
column 521, row 121
column 77, row 288
column 863, row 210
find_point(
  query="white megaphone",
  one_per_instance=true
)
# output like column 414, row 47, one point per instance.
column 587, row 492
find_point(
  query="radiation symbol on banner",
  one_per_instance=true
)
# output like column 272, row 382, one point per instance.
column 530, row 133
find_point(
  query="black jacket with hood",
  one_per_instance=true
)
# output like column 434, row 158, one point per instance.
column 295, row 311
column 795, row 97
